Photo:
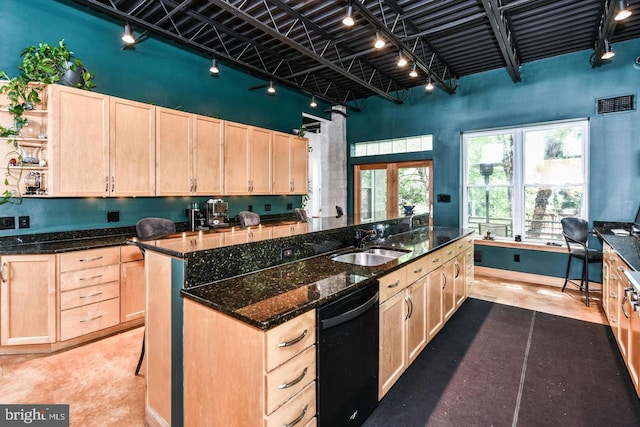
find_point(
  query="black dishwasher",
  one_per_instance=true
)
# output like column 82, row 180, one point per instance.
column 347, row 361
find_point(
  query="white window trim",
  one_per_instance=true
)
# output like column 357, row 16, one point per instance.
column 518, row 179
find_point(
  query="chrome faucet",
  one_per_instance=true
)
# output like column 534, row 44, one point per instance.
column 362, row 236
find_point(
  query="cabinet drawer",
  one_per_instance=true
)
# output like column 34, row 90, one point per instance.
column 289, row 378
column 89, row 295
column 439, row 257
column 297, row 411
column 89, row 277
column 130, row 253
column 392, row 283
column 89, row 258
column 417, row 269
column 89, row 318
column 289, row 339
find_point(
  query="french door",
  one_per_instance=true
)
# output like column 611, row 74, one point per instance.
column 381, row 190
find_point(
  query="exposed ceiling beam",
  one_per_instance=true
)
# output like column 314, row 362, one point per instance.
column 502, row 33
column 606, row 27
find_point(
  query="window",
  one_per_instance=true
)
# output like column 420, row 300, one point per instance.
column 382, row 190
column 523, row 181
column 392, row 146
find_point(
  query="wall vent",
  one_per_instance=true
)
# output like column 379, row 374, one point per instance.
column 616, row 104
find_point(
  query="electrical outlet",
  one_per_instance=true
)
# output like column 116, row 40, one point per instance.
column 7, row 222
column 267, row 208
column 250, row 208
column 289, row 206
column 444, row 198
column 516, row 257
column 113, row 216
column 23, row 222
column 286, row 253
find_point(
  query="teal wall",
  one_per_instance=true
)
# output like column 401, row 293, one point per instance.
column 157, row 72
column 558, row 88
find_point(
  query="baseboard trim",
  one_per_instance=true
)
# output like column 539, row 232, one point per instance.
column 517, row 276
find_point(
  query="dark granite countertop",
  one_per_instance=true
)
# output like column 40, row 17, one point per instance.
column 628, row 247
column 269, row 297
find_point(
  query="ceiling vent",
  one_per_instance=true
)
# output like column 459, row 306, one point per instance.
column 616, row 104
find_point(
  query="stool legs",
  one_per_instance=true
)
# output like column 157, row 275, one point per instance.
column 141, row 352
column 566, row 276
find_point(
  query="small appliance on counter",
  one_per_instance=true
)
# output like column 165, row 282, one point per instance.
column 196, row 217
column 217, row 213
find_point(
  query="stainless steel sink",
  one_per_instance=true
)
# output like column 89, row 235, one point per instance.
column 370, row 257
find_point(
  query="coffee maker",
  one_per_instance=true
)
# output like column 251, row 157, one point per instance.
column 217, row 213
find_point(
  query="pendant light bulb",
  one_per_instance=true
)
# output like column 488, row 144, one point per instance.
column 429, row 87
column 271, row 89
column 128, row 37
column 379, row 44
column 623, row 11
column 402, row 61
column 214, row 67
column 348, row 19
column 608, row 52
column 313, row 103
column 413, row 72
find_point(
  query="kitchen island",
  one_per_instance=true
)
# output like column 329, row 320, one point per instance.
column 216, row 339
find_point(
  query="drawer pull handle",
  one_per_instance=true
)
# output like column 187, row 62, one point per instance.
column 394, row 284
column 417, row 271
column 95, row 258
column 91, row 295
column 300, row 417
column 90, row 320
column 435, row 259
column 295, row 381
column 90, row 277
column 296, row 340
column 2, row 269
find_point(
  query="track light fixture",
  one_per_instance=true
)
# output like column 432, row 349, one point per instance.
column 402, row 61
column 214, row 67
column 413, row 72
column 379, row 43
column 608, row 52
column 128, row 36
column 348, row 19
column 622, row 10
column 313, row 103
column 271, row 89
column 429, row 87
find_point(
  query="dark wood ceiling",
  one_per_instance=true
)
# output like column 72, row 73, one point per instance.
column 303, row 44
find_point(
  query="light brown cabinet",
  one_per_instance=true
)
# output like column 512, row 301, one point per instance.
column 207, row 155
column 269, row 376
column 27, row 299
column 247, row 161
column 132, row 283
column 290, row 164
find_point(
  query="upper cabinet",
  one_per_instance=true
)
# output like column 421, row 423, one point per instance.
column 290, row 164
column 208, row 155
column 101, row 145
column 247, row 165
column 79, row 138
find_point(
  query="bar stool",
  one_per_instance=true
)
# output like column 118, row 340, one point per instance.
column 576, row 234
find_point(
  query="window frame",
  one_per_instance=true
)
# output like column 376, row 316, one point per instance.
column 518, row 184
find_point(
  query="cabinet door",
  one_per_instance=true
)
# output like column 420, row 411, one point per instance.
column 132, row 301
column 416, row 294
column 448, row 289
column 299, row 167
column 173, row 153
column 281, row 160
column 236, row 159
column 459, row 279
column 27, row 299
column 260, row 160
column 393, row 360
column 79, row 138
column 633, row 361
column 435, row 315
column 132, row 148
column 208, row 153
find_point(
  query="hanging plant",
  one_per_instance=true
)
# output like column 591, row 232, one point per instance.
column 44, row 64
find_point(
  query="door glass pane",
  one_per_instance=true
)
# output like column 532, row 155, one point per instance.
column 413, row 189
column 373, row 193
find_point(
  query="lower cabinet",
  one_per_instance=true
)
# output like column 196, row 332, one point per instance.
column 27, row 299
column 268, row 376
column 132, row 282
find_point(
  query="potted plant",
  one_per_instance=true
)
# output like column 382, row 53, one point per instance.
column 44, row 64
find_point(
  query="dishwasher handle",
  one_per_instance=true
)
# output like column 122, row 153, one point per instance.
column 349, row 315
